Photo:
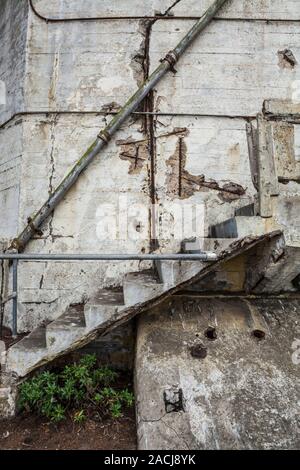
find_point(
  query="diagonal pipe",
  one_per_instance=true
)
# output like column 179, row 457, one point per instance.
column 106, row 134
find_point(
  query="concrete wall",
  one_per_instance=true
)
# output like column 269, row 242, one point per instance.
column 13, row 33
column 236, row 391
column 79, row 72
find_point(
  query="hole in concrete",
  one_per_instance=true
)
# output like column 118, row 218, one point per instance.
column 173, row 399
column 296, row 282
column 211, row 333
column 198, row 351
column 259, row 334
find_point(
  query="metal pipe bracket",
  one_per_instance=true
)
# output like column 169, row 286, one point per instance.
column 105, row 136
column 172, row 59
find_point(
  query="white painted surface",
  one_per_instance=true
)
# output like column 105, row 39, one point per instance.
column 270, row 9
column 229, row 70
column 13, row 33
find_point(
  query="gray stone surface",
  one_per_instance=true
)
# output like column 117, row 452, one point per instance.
column 233, row 392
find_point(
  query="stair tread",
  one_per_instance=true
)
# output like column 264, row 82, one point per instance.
column 73, row 317
column 35, row 340
column 248, row 210
column 241, row 217
column 143, row 277
column 108, row 297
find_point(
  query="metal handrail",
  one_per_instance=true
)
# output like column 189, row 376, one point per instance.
column 35, row 257
column 202, row 256
column 104, row 137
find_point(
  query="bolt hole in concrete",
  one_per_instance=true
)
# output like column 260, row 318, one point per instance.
column 211, row 334
column 198, row 351
column 173, row 399
column 259, row 334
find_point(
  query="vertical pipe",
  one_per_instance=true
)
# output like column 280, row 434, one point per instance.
column 15, row 299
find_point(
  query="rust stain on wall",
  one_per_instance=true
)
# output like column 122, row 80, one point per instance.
column 182, row 184
column 134, row 151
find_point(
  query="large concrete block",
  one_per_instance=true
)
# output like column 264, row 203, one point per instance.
column 218, row 374
column 274, row 9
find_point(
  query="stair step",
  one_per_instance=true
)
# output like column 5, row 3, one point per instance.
column 239, row 227
column 102, row 307
column 248, row 210
column 35, row 340
column 216, row 245
column 69, row 327
column 173, row 272
column 141, row 286
column 22, row 356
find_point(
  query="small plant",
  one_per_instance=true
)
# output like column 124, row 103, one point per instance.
column 79, row 417
column 75, row 390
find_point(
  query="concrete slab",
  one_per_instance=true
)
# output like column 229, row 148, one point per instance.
column 218, row 374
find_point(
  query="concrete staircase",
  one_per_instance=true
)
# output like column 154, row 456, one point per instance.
column 140, row 291
column 82, row 323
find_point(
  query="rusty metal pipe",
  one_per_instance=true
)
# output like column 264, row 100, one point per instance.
column 105, row 135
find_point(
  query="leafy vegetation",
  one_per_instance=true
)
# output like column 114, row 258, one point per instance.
column 75, row 391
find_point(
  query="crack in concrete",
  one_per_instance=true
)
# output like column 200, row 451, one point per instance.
column 149, row 125
column 2, row 303
column 144, row 420
column 161, row 419
column 176, row 433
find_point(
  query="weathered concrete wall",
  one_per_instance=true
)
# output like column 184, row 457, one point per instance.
column 247, row 9
column 13, row 33
column 78, row 72
column 230, row 70
column 218, row 374
column 11, row 138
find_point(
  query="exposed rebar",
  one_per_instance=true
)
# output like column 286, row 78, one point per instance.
column 104, row 137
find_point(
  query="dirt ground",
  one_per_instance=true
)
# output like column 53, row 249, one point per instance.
column 30, row 432
column 33, row 433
